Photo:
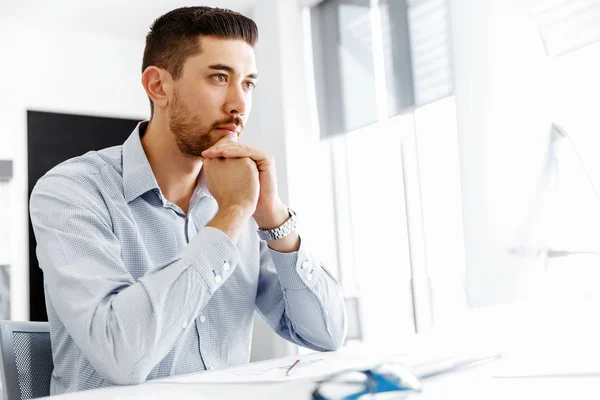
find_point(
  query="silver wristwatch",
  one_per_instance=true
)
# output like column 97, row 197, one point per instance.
column 281, row 231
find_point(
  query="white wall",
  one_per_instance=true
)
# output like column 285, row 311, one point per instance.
column 58, row 71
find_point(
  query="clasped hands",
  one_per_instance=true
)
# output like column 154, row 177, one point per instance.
column 243, row 177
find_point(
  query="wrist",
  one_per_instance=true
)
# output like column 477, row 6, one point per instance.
column 235, row 211
column 272, row 219
column 231, row 220
column 282, row 232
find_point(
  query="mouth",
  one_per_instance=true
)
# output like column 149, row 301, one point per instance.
column 231, row 130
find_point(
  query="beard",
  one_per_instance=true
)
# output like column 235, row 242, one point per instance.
column 191, row 136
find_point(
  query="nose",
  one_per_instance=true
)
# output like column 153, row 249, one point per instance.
column 237, row 102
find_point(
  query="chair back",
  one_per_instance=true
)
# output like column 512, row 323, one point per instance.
column 26, row 359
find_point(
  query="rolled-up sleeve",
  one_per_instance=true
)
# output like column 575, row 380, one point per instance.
column 123, row 326
column 300, row 299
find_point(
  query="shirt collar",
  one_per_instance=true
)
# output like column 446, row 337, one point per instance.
column 138, row 177
column 137, row 174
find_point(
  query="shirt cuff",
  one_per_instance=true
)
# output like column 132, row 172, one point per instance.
column 296, row 270
column 213, row 255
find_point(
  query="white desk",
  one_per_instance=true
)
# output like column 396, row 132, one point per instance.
column 471, row 383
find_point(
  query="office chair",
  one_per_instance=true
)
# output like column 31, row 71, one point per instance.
column 26, row 359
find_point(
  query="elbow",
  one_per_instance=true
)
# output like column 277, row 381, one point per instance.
column 119, row 376
column 332, row 344
column 117, row 372
column 337, row 337
column 126, row 379
column 117, row 357
column 337, row 341
column 337, row 344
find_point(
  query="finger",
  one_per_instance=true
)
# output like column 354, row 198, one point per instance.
column 236, row 151
column 228, row 139
column 218, row 148
column 263, row 159
column 222, row 143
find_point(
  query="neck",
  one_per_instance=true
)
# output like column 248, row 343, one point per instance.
column 175, row 173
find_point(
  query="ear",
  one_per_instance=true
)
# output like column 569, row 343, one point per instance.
column 157, row 83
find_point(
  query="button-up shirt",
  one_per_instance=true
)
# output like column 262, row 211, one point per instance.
column 137, row 289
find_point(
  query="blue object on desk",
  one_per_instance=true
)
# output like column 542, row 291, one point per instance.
column 350, row 385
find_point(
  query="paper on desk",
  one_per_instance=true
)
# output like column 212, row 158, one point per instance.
column 311, row 366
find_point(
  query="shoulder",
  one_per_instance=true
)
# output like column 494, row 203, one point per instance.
column 90, row 164
column 82, row 180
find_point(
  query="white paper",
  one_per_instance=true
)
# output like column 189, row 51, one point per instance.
column 311, row 366
column 318, row 365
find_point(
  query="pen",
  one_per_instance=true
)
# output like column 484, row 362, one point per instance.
column 289, row 371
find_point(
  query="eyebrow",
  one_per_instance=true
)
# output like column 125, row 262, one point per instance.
column 222, row 67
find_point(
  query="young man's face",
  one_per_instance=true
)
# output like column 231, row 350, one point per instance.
column 213, row 96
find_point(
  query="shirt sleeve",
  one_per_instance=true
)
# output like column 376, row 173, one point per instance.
column 299, row 299
column 124, row 327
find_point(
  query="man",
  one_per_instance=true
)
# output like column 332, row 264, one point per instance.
column 157, row 253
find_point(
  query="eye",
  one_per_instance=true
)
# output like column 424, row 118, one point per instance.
column 250, row 85
column 220, row 77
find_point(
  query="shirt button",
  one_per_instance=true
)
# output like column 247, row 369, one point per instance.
column 184, row 324
column 211, row 368
column 226, row 266
column 309, row 275
column 202, row 319
column 218, row 278
column 305, row 264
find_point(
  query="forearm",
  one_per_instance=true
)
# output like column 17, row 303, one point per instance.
column 124, row 323
column 129, row 333
column 231, row 220
column 126, row 328
column 311, row 311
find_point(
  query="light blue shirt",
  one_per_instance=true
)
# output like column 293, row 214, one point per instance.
column 136, row 289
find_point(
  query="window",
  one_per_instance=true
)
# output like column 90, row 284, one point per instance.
column 344, row 65
column 384, row 94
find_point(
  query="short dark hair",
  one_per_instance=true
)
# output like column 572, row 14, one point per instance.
column 173, row 37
